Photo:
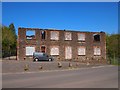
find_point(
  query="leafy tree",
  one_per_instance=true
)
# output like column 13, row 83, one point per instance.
column 8, row 41
column 112, row 45
column 12, row 28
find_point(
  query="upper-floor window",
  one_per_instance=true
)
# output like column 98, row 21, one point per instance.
column 68, row 36
column 96, row 37
column 43, row 35
column 97, row 50
column 81, row 36
column 54, row 35
column 30, row 34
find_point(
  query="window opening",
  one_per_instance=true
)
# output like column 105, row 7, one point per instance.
column 96, row 37
column 30, row 34
column 43, row 34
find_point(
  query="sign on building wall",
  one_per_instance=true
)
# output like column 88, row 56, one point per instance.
column 54, row 35
column 54, row 50
column 81, row 36
column 68, row 36
column 97, row 51
column 68, row 52
column 81, row 51
column 30, row 50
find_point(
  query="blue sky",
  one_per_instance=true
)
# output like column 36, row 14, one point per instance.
column 78, row 16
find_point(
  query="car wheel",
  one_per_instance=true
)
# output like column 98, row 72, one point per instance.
column 36, row 59
column 50, row 59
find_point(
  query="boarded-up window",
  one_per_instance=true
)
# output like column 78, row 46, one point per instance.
column 68, row 52
column 97, row 51
column 81, row 36
column 30, row 50
column 68, row 36
column 54, row 50
column 54, row 35
column 81, row 50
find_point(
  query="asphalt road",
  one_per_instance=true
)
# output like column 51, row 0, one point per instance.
column 96, row 77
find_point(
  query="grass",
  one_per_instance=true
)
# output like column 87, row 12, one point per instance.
column 115, row 62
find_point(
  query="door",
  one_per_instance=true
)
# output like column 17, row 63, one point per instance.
column 68, row 52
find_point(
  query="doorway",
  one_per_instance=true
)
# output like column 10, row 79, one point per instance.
column 68, row 52
column 43, row 49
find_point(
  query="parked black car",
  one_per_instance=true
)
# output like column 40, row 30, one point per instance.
column 40, row 56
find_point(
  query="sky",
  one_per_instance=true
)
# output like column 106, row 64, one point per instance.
column 78, row 16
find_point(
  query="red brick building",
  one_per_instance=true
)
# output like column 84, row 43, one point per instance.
column 62, row 44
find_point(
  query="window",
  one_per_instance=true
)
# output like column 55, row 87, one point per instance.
column 97, row 51
column 81, row 36
column 43, row 35
column 96, row 37
column 54, row 35
column 30, row 50
column 68, row 36
column 54, row 50
column 30, row 34
column 81, row 50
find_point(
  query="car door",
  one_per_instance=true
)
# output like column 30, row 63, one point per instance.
column 45, row 57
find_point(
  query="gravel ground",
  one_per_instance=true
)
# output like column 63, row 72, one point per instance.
column 13, row 66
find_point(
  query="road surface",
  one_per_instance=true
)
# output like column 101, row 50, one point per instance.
column 95, row 77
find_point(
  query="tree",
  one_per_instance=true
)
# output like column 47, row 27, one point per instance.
column 8, row 41
column 112, row 45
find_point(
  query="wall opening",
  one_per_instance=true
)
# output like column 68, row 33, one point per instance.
column 43, row 35
column 30, row 34
column 43, row 49
column 96, row 37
